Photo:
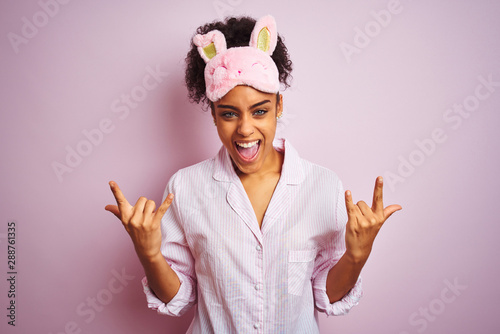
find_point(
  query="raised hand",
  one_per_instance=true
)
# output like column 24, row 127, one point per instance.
column 141, row 221
column 364, row 222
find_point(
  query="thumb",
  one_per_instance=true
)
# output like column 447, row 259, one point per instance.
column 114, row 210
column 388, row 211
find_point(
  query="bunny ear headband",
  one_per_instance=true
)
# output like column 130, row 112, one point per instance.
column 249, row 65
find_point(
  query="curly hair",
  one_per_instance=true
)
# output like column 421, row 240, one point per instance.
column 237, row 32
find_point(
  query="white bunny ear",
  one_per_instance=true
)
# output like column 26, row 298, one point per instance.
column 264, row 35
column 210, row 44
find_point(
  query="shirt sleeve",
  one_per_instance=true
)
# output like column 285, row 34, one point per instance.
column 176, row 252
column 327, row 258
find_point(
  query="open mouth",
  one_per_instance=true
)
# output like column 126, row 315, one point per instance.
column 248, row 150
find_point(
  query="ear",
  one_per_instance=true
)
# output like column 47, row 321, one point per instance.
column 210, row 44
column 264, row 35
column 279, row 109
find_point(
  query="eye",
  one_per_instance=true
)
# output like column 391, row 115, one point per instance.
column 228, row 114
column 260, row 112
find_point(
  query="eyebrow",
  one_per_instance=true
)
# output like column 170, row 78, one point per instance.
column 228, row 106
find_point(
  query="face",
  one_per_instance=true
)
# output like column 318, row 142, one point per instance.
column 246, row 123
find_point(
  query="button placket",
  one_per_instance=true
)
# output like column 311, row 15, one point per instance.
column 258, row 287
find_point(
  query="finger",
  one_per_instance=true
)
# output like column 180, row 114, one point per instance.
column 364, row 208
column 149, row 207
column 113, row 209
column 137, row 218
column 120, row 198
column 352, row 209
column 388, row 211
column 164, row 207
column 140, row 204
column 378, row 203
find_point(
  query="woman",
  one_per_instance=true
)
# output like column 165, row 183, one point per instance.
column 257, row 237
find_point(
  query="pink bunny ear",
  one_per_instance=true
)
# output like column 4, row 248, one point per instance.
column 264, row 35
column 210, row 44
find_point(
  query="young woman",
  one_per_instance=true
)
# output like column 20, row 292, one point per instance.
column 258, row 238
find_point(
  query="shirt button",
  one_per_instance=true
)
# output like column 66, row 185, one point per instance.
column 256, row 326
column 258, row 248
column 257, row 287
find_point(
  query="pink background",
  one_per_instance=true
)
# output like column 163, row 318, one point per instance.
column 361, row 115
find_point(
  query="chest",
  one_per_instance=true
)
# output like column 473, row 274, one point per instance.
column 225, row 225
column 259, row 193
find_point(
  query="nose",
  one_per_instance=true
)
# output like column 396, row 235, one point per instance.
column 245, row 126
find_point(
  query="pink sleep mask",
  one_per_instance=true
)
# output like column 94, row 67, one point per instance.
column 248, row 65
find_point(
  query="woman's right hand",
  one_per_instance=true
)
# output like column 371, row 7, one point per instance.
column 141, row 221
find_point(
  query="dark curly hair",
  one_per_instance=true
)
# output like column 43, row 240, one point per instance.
column 237, row 32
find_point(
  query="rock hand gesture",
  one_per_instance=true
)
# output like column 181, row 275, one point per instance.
column 143, row 224
column 141, row 221
column 363, row 224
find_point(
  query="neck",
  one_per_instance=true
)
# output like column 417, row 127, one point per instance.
column 271, row 167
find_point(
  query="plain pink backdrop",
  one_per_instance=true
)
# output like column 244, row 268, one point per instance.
column 368, row 92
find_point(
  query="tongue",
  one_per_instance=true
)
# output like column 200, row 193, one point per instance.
column 248, row 153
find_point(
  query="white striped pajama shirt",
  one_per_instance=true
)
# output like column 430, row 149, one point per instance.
column 246, row 279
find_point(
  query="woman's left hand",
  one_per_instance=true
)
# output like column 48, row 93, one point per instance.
column 363, row 223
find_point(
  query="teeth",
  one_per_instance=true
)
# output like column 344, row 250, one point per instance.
column 247, row 145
